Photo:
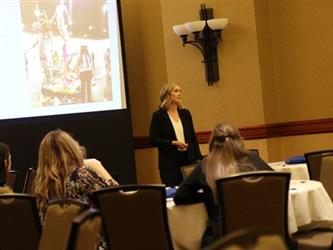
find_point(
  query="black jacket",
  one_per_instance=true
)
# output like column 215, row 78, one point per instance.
column 162, row 134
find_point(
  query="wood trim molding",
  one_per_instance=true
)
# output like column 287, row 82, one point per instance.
column 262, row 131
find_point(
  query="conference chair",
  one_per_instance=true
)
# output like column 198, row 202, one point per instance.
column 20, row 223
column 326, row 174
column 254, row 200
column 29, row 181
column 255, row 151
column 135, row 217
column 250, row 238
column 314, row 162
column 187, row 170
column 86, row 229
column 58, row 223
column 12, row 179
column 316, row 239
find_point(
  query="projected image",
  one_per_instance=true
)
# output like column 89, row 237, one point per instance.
column 67, row 52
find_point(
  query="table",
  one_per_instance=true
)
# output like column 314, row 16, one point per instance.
column 309, row 207
column 187, row 224
column 298, row 171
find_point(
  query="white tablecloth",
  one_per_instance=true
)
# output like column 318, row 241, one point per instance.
column 187, row 225
column 298, row 171
column 309, row 207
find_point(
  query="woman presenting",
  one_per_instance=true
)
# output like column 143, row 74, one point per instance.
column 172, row 132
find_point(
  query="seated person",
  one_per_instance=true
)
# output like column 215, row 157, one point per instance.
column 62, row 172
column 226, row 156
column 5, row 165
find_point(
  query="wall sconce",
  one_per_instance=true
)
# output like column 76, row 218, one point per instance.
column 206, row 34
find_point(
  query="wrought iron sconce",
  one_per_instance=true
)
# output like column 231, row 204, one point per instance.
column 206, row 34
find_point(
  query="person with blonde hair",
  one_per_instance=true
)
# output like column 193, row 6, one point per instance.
column 5, row 165
column 172, row 132
column 226, row 156
column 62, row 172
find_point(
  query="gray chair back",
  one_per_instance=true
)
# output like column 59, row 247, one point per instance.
column 254, row 200
column 20, row 223
column 135, row 216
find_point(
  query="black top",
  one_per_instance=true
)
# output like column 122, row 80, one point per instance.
column 162, row 134
column 195, row 189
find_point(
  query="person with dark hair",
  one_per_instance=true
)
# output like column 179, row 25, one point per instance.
column 226, row 156
column 172, row 132
column 5, row 165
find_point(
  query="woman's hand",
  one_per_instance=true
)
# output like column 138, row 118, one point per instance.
column 180, row 145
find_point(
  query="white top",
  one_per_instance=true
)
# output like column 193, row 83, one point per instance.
column 86, row 63
column 178, row 127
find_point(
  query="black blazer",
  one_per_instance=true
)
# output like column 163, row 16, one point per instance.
column 162, row 134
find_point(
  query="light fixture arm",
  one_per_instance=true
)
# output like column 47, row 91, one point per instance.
column 206, row 35
column 195, row 44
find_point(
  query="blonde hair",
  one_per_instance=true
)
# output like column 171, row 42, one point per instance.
column 165, row 93
column 59, row 153
column 226, row 154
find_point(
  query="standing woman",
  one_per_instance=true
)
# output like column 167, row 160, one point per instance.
column 172, row 132
column 5, row 165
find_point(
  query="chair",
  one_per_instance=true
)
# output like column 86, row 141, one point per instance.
column 314, row 160
column 255, row 151
column 12, row 179
column 58, row 223
column 254, row 200
column 186, row 170
column 29, row 181
column 326, row 174
column 135, row 216
column 251, row 238
column 20, row 224
column 319, row 239
column 86, row 229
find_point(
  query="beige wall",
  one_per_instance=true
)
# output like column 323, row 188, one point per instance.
column 275, row 65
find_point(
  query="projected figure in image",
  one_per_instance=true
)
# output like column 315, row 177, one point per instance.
column 108, row 87
column 63, row 22
column 45, row 45
column 86, row 69
column 62, row 19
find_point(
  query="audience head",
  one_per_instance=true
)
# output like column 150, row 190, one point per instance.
column 59, row 153
column 227, row 140
column 5, row 163
column 226, row 153
column 170, row 93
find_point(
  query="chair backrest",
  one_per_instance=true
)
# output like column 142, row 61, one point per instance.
column 29, row 181
column 313, row 161
column 86, row 228
column 187, row 170
column 12, row 179
column 255, row 151
column 251, row 238
column 20, row 223
column 326, row 174
column 135, row 216
column 254, row 200
column 58, row 223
